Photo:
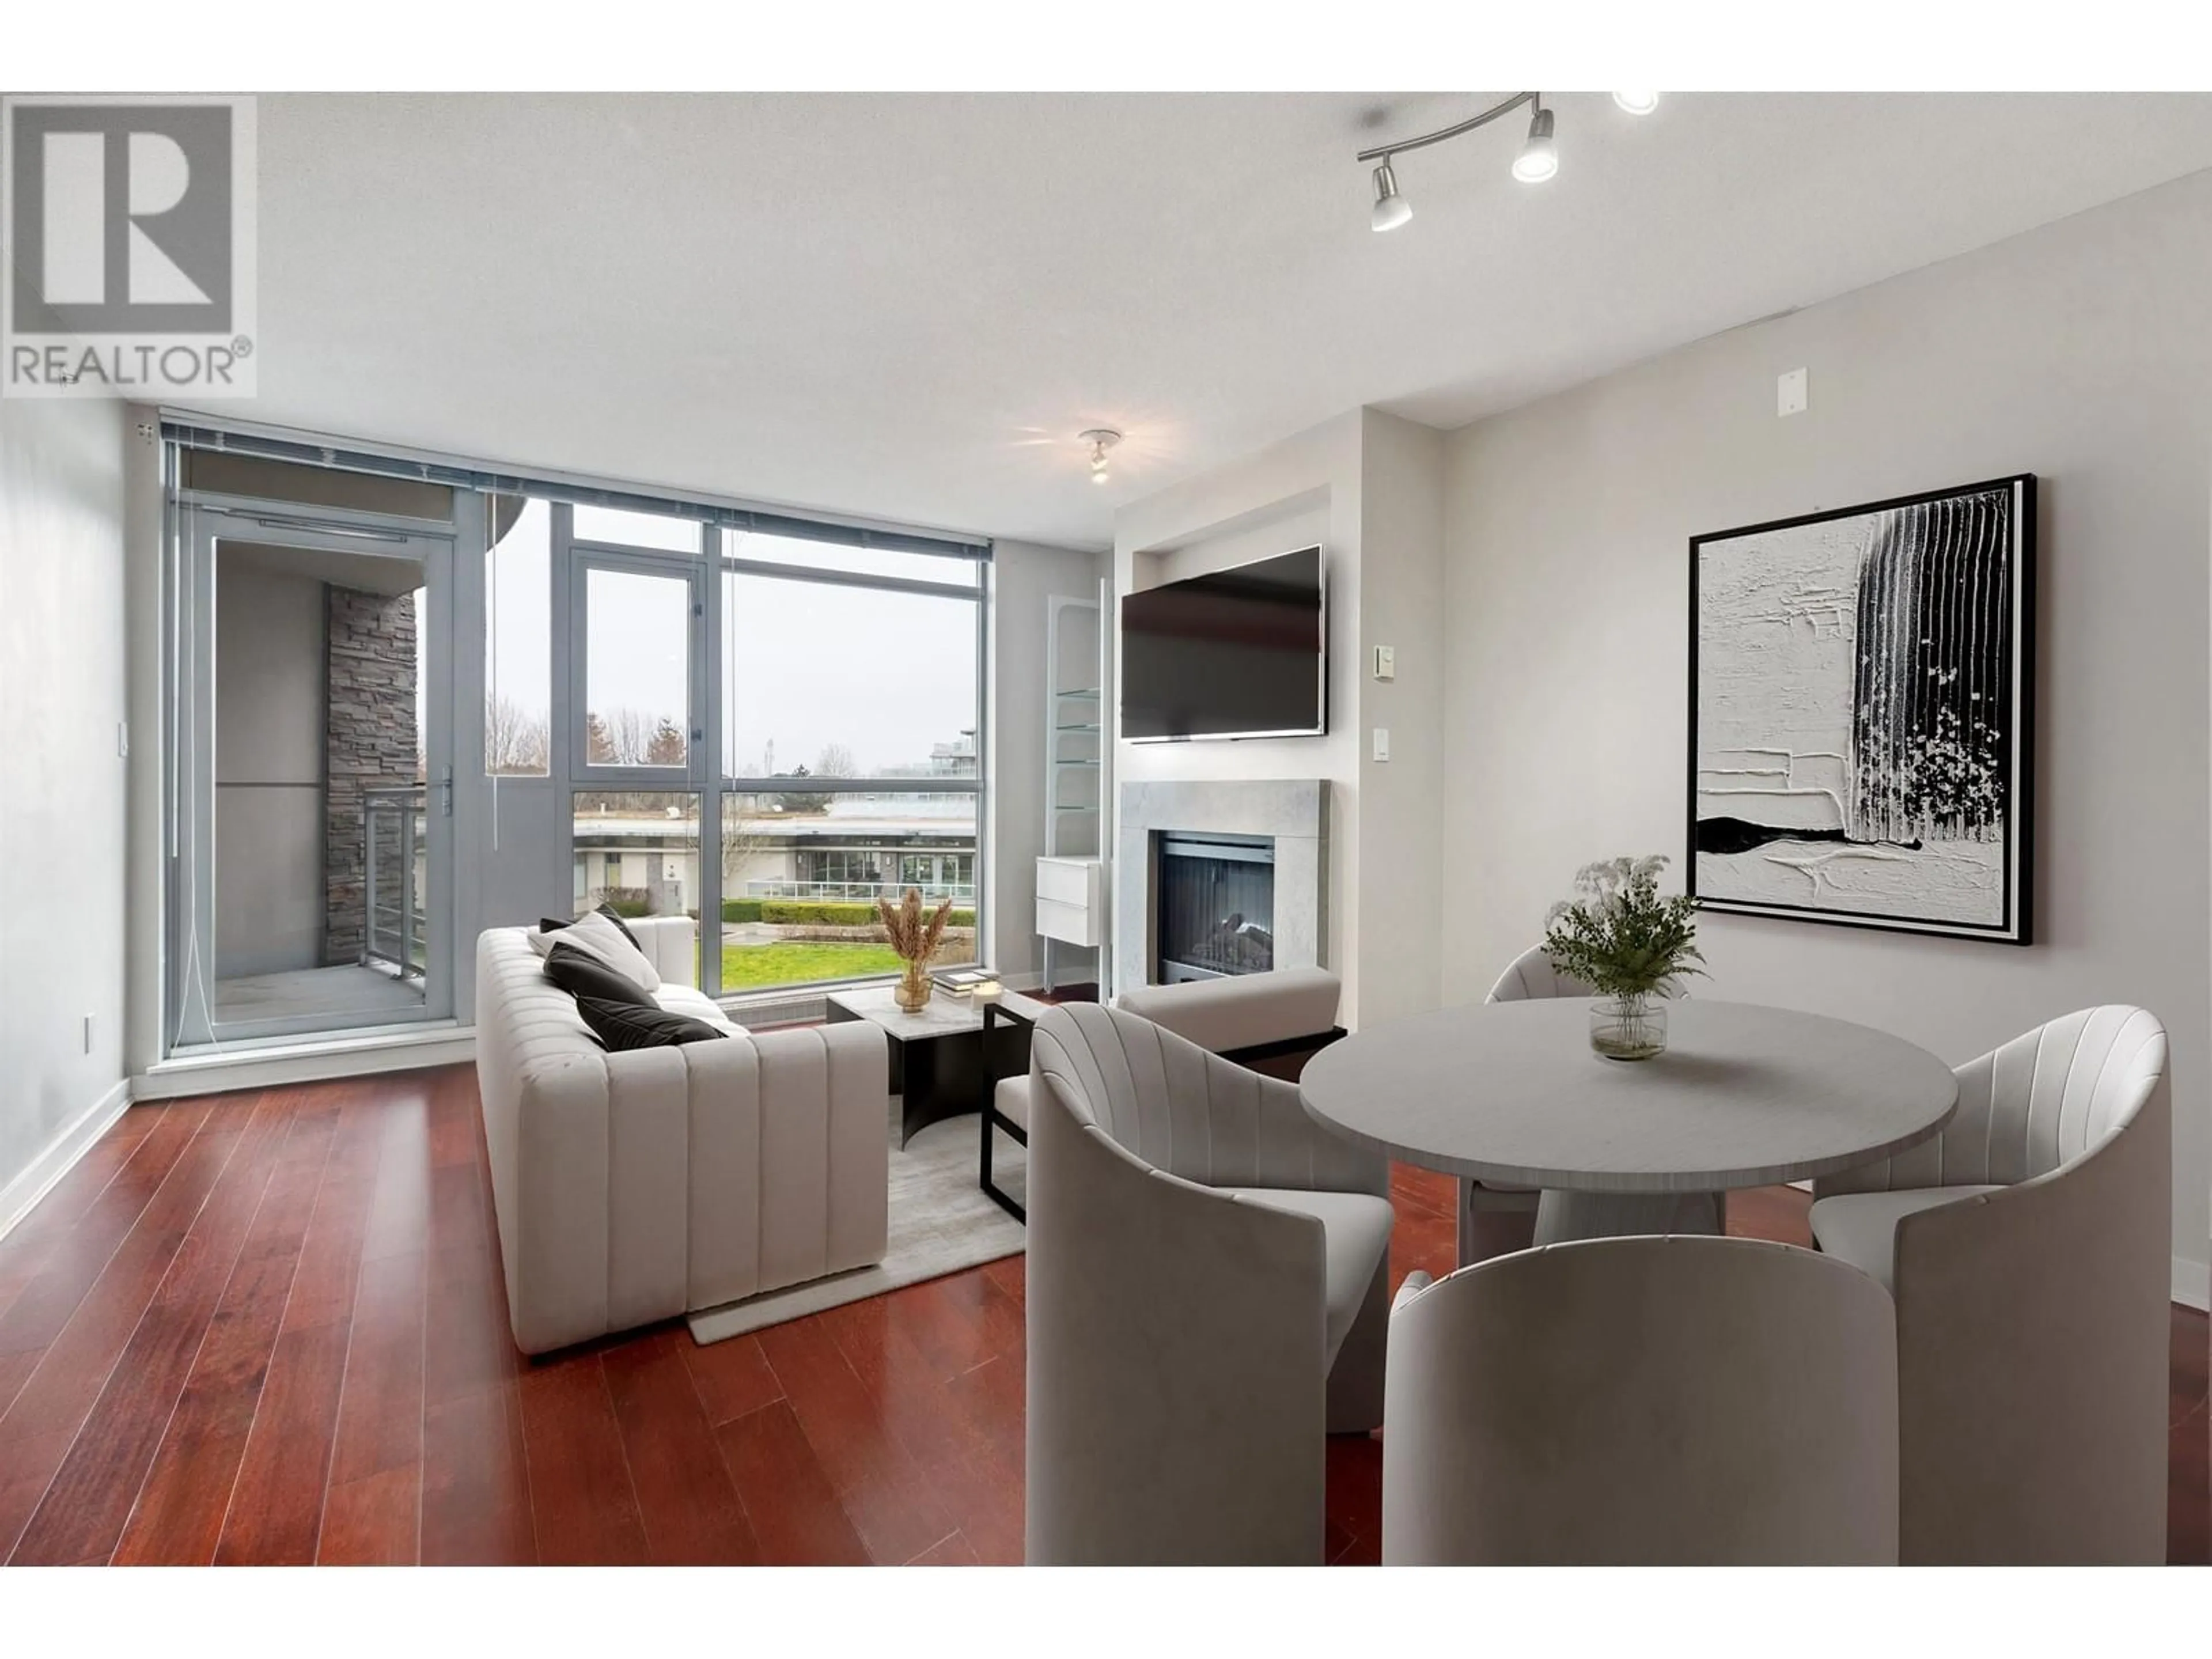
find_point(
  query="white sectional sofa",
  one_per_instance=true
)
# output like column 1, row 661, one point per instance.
column 632, row 1187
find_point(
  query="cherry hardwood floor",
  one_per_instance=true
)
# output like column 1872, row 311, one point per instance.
column 271, row 1328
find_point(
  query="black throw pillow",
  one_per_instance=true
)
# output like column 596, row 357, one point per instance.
column 581, row 974
column 547, row 924
column 621, row 1025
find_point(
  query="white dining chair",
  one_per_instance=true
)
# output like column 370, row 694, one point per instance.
column 1657, row 1400
column 1208, row 1292
column 1495, row 1220
column 2028, row 1248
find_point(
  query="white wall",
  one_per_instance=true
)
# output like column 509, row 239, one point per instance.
column 61, row 817
column 1369, row 487
column 1400, row 805
column 2080, row 352
column 1024, row 577
column 1293, row 494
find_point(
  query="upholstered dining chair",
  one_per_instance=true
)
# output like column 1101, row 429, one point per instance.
column 2027, row 1247
column 1207, row 1296
column 1668, row 1400
column 1265, row 1021
column 1495, row 1221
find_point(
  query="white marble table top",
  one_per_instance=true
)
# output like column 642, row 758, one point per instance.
column 942, row 1015
column 1745, row 1096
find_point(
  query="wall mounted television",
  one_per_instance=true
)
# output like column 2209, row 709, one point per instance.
column 1241, row 652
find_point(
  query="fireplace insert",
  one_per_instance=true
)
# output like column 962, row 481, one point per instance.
column 1216, row 897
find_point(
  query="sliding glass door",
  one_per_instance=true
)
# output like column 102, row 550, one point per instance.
column 311, row 857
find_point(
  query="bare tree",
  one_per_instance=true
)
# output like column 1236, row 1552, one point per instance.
column 515, row 738
column 835, row 761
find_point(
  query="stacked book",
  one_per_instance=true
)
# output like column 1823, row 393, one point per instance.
column 964, row 981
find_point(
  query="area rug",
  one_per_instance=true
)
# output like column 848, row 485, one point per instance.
column 941, row 1222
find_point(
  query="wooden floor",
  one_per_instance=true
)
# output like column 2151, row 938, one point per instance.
column 271, row 1327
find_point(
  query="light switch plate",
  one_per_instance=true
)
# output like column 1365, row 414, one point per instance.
column 1386, row 662
column 1381, row 743
column 1789, row 394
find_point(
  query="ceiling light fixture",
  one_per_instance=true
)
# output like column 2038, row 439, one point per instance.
column 1101, row 438
column 1537, row 160
column 1391, row 210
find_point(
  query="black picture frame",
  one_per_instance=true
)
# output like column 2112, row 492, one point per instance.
column 2012, row 773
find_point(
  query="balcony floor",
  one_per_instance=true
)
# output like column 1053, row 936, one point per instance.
column 364, row 995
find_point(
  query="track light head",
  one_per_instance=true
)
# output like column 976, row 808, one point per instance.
column 1101, row 438
column 1391, row 210
column 1538, row 161
column 1637, row 103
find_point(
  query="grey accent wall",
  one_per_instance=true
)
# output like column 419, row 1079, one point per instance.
column 371, row 741
column 267, row 768
column 61, row 817
column 2081, row 352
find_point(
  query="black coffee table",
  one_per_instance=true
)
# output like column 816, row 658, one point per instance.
column 940, row 1066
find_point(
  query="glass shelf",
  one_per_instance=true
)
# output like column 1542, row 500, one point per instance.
column 1089, row 725
column 1093, row 807
column 1090, row 696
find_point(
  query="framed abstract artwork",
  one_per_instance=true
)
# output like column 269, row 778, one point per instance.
column 1861, row 697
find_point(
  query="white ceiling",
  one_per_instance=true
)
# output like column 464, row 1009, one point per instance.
column 906, row 306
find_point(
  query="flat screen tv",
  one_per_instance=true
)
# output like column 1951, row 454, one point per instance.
column 1241, row 652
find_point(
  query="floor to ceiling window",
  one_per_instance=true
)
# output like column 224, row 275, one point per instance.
column 764, row 722
column 768, row 731
column 850, row 690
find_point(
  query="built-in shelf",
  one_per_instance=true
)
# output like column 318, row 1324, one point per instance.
column 1071, row 907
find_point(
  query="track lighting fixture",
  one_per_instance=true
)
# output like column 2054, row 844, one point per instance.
column 1101, row 438
column 1539, row 159
column 1391, row 210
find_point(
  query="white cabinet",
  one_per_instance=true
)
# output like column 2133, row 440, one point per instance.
column 1070, row 896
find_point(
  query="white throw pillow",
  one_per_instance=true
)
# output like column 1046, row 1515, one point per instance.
column 596, row 936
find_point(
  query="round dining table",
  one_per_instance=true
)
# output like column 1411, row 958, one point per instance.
column 1511, row 1094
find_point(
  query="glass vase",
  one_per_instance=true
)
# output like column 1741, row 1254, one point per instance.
column 913, row 992
column 1629, row 1028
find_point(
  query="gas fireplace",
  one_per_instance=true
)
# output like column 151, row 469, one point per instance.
column 1216, row 907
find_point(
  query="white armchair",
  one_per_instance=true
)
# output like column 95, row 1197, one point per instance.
column 1664, row 1400
column 1208, row 1273
column 2028, row 1250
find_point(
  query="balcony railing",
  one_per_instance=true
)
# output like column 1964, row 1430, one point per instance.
column 395, row 823
column 962, row 893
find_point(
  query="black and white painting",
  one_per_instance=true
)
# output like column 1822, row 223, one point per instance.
column 1860, row 699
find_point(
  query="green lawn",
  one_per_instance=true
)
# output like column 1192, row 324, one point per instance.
column 799, row 962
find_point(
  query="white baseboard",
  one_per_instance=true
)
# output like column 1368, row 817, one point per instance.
column 2193, row 1284
column 278, row 1066
column 21, row 1195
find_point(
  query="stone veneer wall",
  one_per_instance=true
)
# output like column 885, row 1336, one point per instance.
column 371, row 742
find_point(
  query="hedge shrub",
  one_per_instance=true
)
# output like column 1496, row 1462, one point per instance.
column 741, row 910
column 831, row 913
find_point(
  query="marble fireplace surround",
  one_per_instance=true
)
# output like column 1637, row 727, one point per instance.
column 1292, row 812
